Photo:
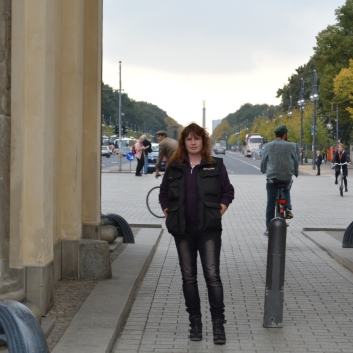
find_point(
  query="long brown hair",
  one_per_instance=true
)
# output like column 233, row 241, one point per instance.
column 181, row 152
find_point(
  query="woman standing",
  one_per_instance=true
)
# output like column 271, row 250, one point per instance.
column 140, row 155
column 194, row 194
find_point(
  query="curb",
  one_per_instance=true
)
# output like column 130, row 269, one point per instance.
column 333, row 247
column 101, row 318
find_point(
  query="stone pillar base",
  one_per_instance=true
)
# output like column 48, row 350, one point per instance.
column 85, row 259
column 40, row 286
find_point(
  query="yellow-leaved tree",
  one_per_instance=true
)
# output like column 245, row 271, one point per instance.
column 343, row 88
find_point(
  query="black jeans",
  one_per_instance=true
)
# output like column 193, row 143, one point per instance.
column 139, row 166
column 208, row 244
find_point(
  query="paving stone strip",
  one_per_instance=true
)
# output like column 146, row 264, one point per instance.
column 69, row 295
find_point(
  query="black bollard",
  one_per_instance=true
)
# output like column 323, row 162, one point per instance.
column 348, row 237
column 274, row 293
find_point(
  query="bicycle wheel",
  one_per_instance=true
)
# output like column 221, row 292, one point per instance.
column 153, row 204
column 340, row 184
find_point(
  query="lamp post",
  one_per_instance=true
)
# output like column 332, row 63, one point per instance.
column 119, row 115
column 337, row 140
column 301, row 103
column 290, row 107
column 314, row 98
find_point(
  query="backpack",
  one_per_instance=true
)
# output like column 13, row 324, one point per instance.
column 133, row 149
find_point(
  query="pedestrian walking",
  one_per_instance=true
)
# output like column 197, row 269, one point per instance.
column 318, row 162
column 146, row 143
column 167, row 147
column 194, row 194
column 139, row 148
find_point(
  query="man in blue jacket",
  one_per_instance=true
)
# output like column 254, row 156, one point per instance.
column 279, row 162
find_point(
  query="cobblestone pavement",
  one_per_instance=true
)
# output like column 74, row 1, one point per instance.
column 318, row 308
column 69, row 295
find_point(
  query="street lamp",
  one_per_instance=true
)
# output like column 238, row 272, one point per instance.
column 314, row 98
column 290, row 107
column 337, row 141
column 301, row 103
column 119, row 116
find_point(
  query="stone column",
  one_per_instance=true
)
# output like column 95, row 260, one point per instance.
column 10, row 288
column 71, row 145
column 92, row 78
column 33, row 143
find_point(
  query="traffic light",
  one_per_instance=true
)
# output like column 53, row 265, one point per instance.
column 125, row 130
column 332, row 135
column 116, row 130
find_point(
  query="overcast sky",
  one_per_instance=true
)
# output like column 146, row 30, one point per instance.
column 177, row 53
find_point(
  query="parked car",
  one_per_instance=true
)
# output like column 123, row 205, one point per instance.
column 219, row 150
column 152, row 160
column 155, row 147
column 106, row 151
column 125, row 150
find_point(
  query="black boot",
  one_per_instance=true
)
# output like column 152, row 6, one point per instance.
column 195, row 329
column 346, row 189
column 219, row 336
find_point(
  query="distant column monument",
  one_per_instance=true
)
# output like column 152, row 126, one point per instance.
column 204, row 114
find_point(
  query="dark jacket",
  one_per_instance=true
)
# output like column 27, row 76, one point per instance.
column 341, row 158
column 318, row 160
column 145, row 144
column 194, row 196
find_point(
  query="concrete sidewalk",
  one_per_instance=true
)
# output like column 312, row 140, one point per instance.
column 318, row 295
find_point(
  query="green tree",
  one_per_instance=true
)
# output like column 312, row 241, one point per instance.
column 148, row 117
column 293, row 87
column 332, row 53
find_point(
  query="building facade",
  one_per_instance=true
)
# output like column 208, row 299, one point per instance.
column 215, row 123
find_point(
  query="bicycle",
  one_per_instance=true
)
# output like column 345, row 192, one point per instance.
column 153, row 204
column 340, row 177
column 280, row 208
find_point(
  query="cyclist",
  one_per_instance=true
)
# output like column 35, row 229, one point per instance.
column 279, row 162
column 341, row 156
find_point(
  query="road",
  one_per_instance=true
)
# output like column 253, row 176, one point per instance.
column 236, row 163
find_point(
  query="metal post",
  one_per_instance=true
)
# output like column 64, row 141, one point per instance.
column 301, row 104
column 204, row 114
column 314, row 97
column 119, row 116
column 301, row 135
column 274, row 292
column 290, row 107
column 337, row 123
column 314, row 136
